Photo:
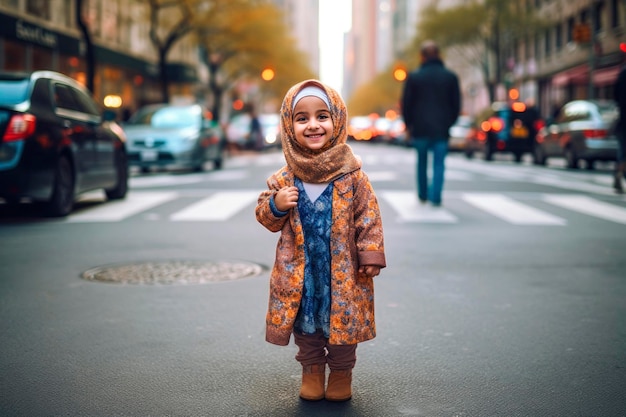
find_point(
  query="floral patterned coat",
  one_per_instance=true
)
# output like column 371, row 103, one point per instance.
column 356, row 239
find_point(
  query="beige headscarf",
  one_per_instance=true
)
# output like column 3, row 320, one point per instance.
column 335, row 158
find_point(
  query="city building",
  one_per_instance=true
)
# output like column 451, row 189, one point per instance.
column 576, row 56
column 44, row 34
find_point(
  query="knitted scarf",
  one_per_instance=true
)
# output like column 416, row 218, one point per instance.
column 335, row 158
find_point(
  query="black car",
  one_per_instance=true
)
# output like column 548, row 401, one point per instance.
column 55, row 143
column 507, row 128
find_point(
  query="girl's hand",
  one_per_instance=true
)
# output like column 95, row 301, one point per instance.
column 286, row 198
column 369, row 270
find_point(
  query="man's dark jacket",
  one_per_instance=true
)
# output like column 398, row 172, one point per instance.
column 431, row 101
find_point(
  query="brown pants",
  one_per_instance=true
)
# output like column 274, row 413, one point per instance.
column 314, row 349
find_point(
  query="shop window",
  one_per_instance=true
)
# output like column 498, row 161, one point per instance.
column 14, row 56
column 558, row 37
column 42, row 59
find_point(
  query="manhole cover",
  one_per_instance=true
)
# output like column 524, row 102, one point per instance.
column 172, row 272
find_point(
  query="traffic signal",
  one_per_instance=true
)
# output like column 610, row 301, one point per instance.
column 399, row 72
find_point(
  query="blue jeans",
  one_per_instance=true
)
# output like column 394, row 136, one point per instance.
column 439, row 149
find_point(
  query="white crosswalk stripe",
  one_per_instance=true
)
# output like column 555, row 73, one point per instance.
column 409, row 210
column 403, row 206
column 220, row 206
column 512, row 211
column 588, row 205
column 119, row 210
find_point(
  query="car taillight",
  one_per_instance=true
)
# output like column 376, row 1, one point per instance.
column 494, row 124
column 20, row 127
column 539, row 124
column 595, row 133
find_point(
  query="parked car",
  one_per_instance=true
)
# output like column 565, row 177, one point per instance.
column 360, row 128
column 55, row 143
column 508, row 128
column 174, row 136
column 582, row 130
column 397, row 132
column 458, row 133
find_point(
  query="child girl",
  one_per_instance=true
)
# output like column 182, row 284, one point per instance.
column 330, row 246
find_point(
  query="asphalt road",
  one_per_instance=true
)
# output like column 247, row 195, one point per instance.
column 511, row 308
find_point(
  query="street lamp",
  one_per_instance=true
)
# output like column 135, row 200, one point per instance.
column 267, row 74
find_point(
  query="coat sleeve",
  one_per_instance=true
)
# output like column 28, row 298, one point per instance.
column 263, row 211
column 368, row 223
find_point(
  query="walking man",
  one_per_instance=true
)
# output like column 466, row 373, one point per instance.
column 431, row 102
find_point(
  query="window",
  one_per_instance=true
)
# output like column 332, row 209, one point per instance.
column 84, row 103
column 63, row 98
column 558, row 37
column 577, row 111
column 615, row 13
column 570, row 29
column 598, row 9
column 548, row 42
column 39, row 8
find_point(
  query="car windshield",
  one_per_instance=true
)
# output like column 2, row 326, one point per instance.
column 13, row 91
column 169, row 117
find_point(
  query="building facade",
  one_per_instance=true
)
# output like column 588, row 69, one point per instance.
column 577, row 56
column 44, row 34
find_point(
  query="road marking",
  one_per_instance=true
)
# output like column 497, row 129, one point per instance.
column 117, row 210
column 220, row 206
column 590, row 206
column 409, row 210
column 512, row 211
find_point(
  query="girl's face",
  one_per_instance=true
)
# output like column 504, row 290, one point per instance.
column 312, row 123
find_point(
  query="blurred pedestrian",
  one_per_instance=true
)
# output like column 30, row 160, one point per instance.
column 330, row 246
column 619, row 93
column 431, row 103
column 255, row 137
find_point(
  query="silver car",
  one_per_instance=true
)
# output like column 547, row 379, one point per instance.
column 174, row 136
column 582, row 131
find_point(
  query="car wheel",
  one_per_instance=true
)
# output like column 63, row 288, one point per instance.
column 539, row 158
column 469, row 154
column 62, row 200
column 218, row 163
column 590, row 164
column 517, row 157
column 121, row 186
column 145, row 170
column 199, row 167
column 571, row 161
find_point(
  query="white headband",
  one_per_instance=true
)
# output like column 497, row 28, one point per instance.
column 311, row 91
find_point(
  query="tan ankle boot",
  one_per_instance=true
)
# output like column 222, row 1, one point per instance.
column 313, row 379
column 339, row 385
